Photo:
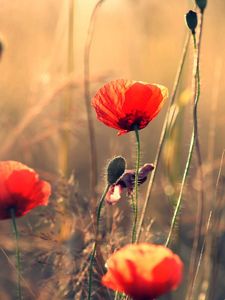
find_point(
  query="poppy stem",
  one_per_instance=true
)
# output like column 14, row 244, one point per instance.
column 96, row 240
column 194, row 142
column 201, row 196
column 120, row 296
column 18, row 262
column 163, row 134
column 135, row 196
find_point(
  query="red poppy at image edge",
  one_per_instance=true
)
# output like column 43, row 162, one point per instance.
column 128, row 104
column 143, row 271
column 20, row 189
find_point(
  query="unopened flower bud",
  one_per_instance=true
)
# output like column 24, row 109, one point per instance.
column 115, row 169
column 191, row 20
column 201, row 4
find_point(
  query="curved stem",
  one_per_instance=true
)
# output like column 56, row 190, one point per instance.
column 135, row 197
column 96, row 240
column 194, row 142
column 18, row 262
column 179, row 200
column 91, row 130
column 163, row 134
column 200, row 204
column 212, row 239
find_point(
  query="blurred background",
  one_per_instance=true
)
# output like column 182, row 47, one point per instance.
column 43, row 123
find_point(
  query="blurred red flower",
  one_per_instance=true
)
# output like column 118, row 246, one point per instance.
column 143, row 271
column 20, row 189
column 126, row 104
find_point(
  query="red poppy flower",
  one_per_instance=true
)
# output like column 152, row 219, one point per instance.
column 127, row 104
column 20, row 189
column 143, row 271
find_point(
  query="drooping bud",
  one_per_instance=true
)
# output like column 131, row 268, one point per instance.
column 115, row 169
column 191, row 20
column 201, row 4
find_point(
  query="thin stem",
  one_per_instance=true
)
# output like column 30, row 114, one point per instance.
column 179, row 200
column 193, row 142
column 135, row 197
column 116, row 297
column 212, row 248
column 200, row 202
column 133, row 203
column 202, row 252
column 101, row 202
column 66, row 107
column 91, row 130
column 18, row 262
column 119, row 296
column 163, row 135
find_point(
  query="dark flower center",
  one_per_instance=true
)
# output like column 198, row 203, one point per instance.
column 137, row 119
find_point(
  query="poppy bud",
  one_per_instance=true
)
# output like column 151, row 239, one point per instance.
column 115, row 169
column 191, row 20
column 201, row 4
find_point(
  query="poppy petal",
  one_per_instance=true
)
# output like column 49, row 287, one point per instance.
column 128, row 104
column 109, row 100
column 143, row 271
column 20, row 189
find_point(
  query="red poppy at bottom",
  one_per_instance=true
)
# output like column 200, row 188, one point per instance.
column 20, row 189
column 143, row 271
column 127, row 105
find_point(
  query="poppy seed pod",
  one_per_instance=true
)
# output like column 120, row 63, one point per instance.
column 191, row 20
column 115, row 169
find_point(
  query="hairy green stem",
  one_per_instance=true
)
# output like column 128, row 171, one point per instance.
column 200, row 202
column 179, row 200
column 135, row 197
column 18, row 262
column 163, row 135
column 134, row 210
column 96, row 240
column 194, row 142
